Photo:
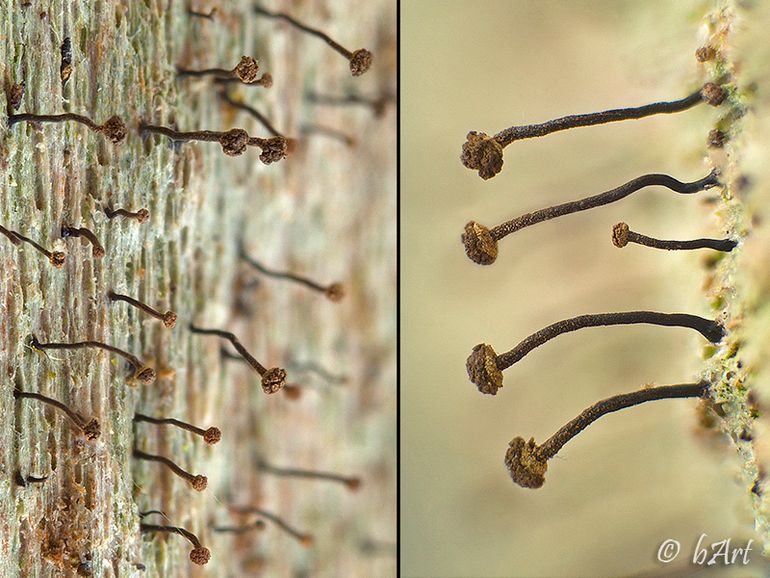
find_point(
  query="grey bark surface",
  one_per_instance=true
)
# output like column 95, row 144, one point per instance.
column 327, row 211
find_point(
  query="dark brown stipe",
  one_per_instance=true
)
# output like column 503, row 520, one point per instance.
column 256, row 525
column 209, row 16
column 273, row 379
column 360, row 60
column 198, row 555
column 485, row 154
column 377, row 105
column 317, row 369
column 97, row 250
column 333, row 292
column 265, row 81
column 290, row 142
column 198, row 482
column 481, row 243
column 350, row 482
column 142, row 373
column 113, row 128
column 152, row 512
column 56, row 258
column 142, row 215
column 245, row 71
column 89, row 427
column 233, row 141
column 527, row 462
column 211, row 435
column 332, row 133
column 485, row 367
column 622, row 235
column 304, row 538
column 24, row 481
column 168, row 318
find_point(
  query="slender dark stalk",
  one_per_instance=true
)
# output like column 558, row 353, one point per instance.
column 56, row 258
column 485, row 154
column 233, row 141
column 198, row 555
column 485, row 366
column 245, row 71
column 378, row 105
column 142, row 373
column 89, row 427
column 142, row 215
column 360, row 60
column 24, row 481
column 198, row 482
column 329, row 132
column 273, row 379
column 97, row 248
column 224, row 95
column 527, row 462
column 352, row 483
column 622, row 235
column 304, row 538
column 211, row 435
column 481, row 243
column 317, row 369
column 256, row 525
column 113, row 128
column 333, row 291
column 168, row 318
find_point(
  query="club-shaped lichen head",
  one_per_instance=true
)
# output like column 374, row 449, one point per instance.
column 482, row 369
column 200, row 555
column 360, row 61
column 273, row 380
column 526, row 467
column 114, row 129
column 620, row 235
column 145, row 375
column 234, row 141
column 247, row 69
column 92, row 430
column 479, row 244
column 335, row 292
column 482, row 153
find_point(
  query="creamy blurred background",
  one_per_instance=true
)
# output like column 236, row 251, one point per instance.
column 634, row 478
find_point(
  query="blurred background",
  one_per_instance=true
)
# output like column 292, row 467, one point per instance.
column 635, row 478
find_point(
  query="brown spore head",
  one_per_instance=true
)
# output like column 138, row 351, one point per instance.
column 92, row 430
column 353, row 484
column 266, row 80
column 526, row 467
column 273, row 380
column 273, row 149
column 247, row 69
column 145, row 375
column 360, row 61
column 199, row 483
column 234, row 141
column 482, row 153
column 713, row 94
column 335, row 292
column 143, row 215
column 620, row 235
column 57, row 259
column 169, row 319
column 482, row 369
column 212, row 435
column 114, row 129
column 479, row 244
column 200, row 555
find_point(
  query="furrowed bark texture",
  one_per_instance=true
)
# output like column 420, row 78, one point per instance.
column 738, row 283
column 327, row 210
